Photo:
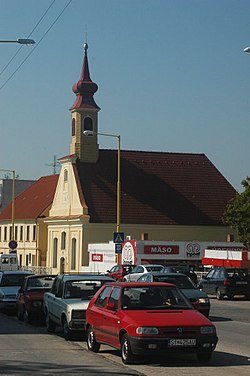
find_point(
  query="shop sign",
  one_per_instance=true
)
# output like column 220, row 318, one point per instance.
column 193, row 250
column 129, row 253
column 161, row 249
column 98, row 257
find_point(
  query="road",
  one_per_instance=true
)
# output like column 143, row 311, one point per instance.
column 26, row 349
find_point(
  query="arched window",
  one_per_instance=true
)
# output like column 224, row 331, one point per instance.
column 73, row 127
column 63, row 240
column 65, row 176
column 87, row 124
column 55, row 247
column 73, row 254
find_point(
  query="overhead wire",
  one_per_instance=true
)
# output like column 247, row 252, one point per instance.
column 19, row 49
column 37, row 44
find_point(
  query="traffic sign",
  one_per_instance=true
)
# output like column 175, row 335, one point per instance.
column 12, row 244
column 118, row 248
column 118, row 237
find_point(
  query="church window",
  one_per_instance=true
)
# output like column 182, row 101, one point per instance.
column 63, row 240
column 73, row 127
column 55, row 245
column 65, row 176
column 73, row 254
column 87, row 124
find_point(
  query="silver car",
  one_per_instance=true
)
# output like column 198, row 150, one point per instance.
column 139, row 270
column 10, row 283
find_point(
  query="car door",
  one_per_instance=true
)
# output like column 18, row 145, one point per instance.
column 97, row 312
column 207, row 282
column 111, row 318
column 135, row 273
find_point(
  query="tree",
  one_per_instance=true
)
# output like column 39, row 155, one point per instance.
column 237, row 213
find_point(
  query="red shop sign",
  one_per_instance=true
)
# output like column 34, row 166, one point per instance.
column 161, row 249
column 97, row 257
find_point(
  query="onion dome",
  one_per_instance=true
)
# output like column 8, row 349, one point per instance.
column 85, row 88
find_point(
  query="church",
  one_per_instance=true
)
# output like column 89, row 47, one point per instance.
column 162, row 195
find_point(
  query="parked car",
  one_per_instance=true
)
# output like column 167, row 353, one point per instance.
column 197, row 297
column 222, row 281
column 184, row 269
column 119, row 271
column 30, row 298
column 10, row 283
column 138, row 270
column 148, row 318
column 66, row 303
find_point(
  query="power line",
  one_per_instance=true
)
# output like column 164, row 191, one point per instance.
column 37, row 44
column 19, row 49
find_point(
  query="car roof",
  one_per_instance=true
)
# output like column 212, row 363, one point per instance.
column 163, row 274
column 41, row 276
column 140, row 284
column 89, row 277
column 16, row 272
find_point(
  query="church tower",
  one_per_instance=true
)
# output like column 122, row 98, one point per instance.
column 84, row 115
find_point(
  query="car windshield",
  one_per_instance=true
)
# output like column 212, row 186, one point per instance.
column 40, row 283
column 12, row 279
column 81, row 289
column 181, row 281
column 153, row 297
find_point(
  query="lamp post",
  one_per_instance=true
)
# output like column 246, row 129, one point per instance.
column 12, row 202
column 118, row 189
column 19, row 40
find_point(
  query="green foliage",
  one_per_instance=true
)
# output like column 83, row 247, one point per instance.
column 237, row 214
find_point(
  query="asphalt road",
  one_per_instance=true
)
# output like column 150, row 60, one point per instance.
column 27, row 350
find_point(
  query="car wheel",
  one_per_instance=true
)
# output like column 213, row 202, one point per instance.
column 204, row 357
column 219, row 294
column 126, row 353
column 67, row 333
column 50, row 326
column 92, row 344
column 230, row 296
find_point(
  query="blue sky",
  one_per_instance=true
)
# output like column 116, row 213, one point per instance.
column 172, row 76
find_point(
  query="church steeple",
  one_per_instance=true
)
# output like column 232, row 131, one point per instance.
column 85, row 88
column 84, row 115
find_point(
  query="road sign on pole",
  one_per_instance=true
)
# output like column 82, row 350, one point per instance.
column 118, row 237
column 12, row 244
column 118, row 248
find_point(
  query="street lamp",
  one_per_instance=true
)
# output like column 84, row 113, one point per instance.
column 118, row 193
column 20, row 41
column 12, row 202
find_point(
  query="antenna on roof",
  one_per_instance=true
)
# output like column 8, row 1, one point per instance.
column 54, row 164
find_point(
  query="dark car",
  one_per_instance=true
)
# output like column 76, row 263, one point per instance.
column 10, row 283
column 222, row 281
column 119, row 271
column 184, row 269
column 30, row 298
column 197, row 297
column 147, row 319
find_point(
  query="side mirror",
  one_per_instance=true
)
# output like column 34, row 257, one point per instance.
column 111, row 306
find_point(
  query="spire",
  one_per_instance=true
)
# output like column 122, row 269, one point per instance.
column 85, row 88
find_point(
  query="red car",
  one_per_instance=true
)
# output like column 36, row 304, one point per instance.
column 119, row 271
column 30, row 298
column 147, row 319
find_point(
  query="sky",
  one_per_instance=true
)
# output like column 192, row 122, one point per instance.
column 171, row 74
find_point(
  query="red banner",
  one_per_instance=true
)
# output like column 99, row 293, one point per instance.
column 97, row 257
column 161, row 249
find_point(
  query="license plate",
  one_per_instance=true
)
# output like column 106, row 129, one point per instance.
column 241, row 283
column 181, row 342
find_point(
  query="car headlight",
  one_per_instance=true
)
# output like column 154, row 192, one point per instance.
column 1, row 295
column 207, row 329
column 203, row 300
column 147, row 330
column 37, row 303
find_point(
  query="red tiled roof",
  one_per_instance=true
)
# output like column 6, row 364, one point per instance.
column 33, row 201
column 156, row 188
